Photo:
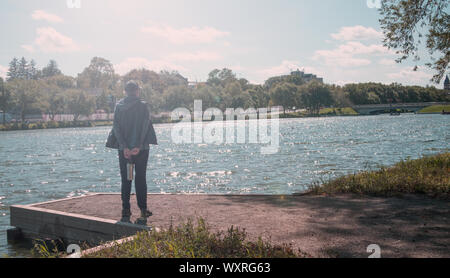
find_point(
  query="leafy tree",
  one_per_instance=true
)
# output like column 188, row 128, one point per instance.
column 63, row 82
column 245, row 84
column 51, row 69
column 243, row 100
column 259, row 96
column 231, row 91
column 33, row 72
column 98, row 77
column 79, row 103
column 25, row 95
column 153, row 97
column 13, row 69
column 404, row 23
column 284, row 94
column 146, row 77
column 5, row 100
column 208, row 95
column 177, row 96
column 172, row 79
column 23, row 71
column 364, row 93
column 293, row 79
column 340, row 97
column 226, row 76
column 106, row 103
column 213, row 78
column 315, row 95
column 55, row 101
column 221, row 77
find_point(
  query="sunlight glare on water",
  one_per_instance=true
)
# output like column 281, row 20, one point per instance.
column 42, row 165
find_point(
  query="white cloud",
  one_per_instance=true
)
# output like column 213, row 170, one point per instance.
column 43, row 15
column 358, row 32
column 28, row 47
column 345, row 55
column 185, row 35
column 408, row 75
column 354, row 47
column 387, row 62
column 3, row 71
column 138, row 62
column 202, row 56
column 49, row 40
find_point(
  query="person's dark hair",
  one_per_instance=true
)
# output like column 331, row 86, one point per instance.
column 132, row 88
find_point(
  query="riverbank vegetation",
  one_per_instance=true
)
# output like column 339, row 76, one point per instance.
column 187, row 240
column 52, row 124
column 429, row 175
column 191, row 240
column 30, row 91
column 435, row 109
column 345, row 111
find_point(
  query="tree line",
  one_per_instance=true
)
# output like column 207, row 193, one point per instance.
column 30, row 90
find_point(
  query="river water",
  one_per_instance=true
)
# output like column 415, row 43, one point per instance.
column 43, row 165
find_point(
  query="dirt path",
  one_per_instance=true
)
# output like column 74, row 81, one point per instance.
column 339, row 226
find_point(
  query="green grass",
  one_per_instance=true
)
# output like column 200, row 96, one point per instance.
column 191, row 240
column 435, row 109
column 346, row 111
column 428, row 175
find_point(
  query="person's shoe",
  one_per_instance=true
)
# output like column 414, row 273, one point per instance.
column 126, row 213
column 146, row 213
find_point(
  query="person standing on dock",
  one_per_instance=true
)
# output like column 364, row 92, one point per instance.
column 132, row 134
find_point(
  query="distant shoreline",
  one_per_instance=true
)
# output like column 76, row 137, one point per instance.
column 326, row 112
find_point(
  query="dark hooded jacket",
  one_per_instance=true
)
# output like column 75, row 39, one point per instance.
column 132, row 125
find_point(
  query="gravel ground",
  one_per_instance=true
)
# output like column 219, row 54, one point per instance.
column 322, row 226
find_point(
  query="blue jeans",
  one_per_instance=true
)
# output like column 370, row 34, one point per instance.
column 140, row 180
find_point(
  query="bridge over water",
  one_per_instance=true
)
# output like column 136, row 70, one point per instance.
column 379, row 108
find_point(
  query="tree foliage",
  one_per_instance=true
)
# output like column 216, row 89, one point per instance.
column 406, row 22
column 284, row 94
column 314, row 96
column 51, row 69
column 5, row 100
column 98, row 87
column 25, row 96
column 79, row 103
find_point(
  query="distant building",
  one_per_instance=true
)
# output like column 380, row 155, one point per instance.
column 447, row 84
column 307, row 76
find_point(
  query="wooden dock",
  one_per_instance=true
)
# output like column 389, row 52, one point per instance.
column 322, row 226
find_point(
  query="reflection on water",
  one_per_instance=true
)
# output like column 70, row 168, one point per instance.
column 42, row 165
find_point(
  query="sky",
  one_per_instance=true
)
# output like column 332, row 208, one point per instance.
column 338, row 40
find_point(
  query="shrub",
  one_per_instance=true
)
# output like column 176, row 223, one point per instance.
column 427, row 175
column 195, row 241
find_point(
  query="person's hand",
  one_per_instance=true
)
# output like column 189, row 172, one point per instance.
column 127, row 153
column 135, row 151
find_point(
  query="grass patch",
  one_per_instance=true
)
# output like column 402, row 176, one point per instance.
column 435, row 109
column 52, row 124
column 346, row 111
column 291, row 115
column 191, row 240
column 428, row 175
